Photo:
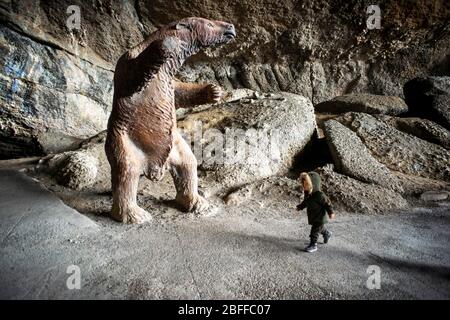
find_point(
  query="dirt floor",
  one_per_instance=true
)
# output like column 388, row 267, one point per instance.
column 251, row 247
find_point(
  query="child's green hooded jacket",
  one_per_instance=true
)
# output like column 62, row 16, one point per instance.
column 316, row 203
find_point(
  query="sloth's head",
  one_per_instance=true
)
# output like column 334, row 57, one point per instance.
column 204, row 33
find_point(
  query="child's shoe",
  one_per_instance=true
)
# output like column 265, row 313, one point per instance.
column 326, row 236
column 311, row 248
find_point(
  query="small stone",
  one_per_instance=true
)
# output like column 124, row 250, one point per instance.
column 76, row 170
column 434, row 196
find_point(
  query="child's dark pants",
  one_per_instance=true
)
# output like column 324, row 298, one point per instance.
column 317, row 229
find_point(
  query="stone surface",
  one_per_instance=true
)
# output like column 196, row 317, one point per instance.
column 242, row 253
column 316, row 48
column 414, row 185
column 400, row 151
column 50, row 99
column 422, row 128
column 352, row 158
column 76, row 169
column 429, row 97
column 367, row 103
column 84, row 168
column 351, row 195
column 434, row 196
column 250, row 138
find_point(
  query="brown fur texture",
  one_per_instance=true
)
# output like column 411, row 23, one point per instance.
column 142, row 136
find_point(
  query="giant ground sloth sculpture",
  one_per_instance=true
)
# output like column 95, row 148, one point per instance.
column 142, row 134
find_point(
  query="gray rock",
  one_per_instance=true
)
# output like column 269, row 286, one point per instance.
column 367, row 103
column 47, row 95
column 250, row 139
column 351, row 195
column 239, row 196
column 84, row 168
column 421, row 128
column 75, row 169
column 400, row 151
column 414, row 185
column 434, row 196
column 429, row 97
column 106, row 28
column 352, row 158
column 441, row 105
column 52, row 143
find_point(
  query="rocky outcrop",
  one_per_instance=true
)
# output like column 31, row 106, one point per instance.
column 367, row 103
column 352, row 158
column 429, row 98
column 317, row 48
column 400, row 151
column 50, row 100
column 352, row 195
column 422, row 128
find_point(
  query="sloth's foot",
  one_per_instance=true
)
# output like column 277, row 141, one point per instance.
column 134, row 214
column 203, row 208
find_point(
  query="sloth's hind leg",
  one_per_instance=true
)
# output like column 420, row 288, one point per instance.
column 126, row 166
column 183, row 168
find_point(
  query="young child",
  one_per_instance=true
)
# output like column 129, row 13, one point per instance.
column 318, row 206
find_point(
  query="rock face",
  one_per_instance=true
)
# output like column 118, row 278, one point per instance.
column 400, row 151
column 352, row 158
column 405, row 155
column 250, row 138
column 355, row 196
column 49, row 99
column 429, row 97
column 367, row 103
column 422, row 128
column 316, row 48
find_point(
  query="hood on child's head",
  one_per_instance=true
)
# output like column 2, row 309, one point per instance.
column 313, row 180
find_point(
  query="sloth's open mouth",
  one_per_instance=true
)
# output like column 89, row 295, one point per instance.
column 226, row 37
column 230, row 35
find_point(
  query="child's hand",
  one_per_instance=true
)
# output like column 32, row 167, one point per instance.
column 298, row 208
column 331, row 216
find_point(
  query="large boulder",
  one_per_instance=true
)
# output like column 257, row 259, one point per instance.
column 49, row 99
column 429, row 97
column 252, row 137
column 367, row 103
column 400, row 151
column 352, row 158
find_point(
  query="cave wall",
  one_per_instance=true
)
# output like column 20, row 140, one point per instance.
column 57, row 83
